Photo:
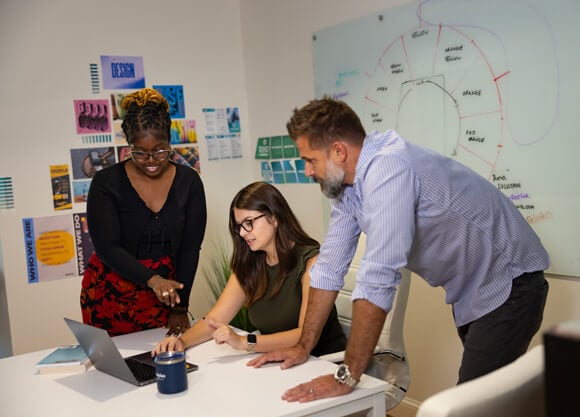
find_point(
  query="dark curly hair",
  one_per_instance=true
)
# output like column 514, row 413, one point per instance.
column 146, row 110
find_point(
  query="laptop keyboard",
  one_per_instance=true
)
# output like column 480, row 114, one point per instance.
column 142, row 371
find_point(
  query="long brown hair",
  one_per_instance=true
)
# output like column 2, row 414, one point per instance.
column 250, row 266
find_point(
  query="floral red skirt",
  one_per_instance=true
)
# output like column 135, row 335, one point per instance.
column 121, row 306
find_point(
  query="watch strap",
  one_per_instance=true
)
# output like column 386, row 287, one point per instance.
column 343, row 376
column 251, row 341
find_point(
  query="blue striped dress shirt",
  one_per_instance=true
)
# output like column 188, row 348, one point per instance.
column 434, row 216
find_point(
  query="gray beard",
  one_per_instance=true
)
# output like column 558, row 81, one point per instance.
column 332, row 186
column 331, row 190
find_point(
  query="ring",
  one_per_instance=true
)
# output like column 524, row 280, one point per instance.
column 164, row 294
column 311, row 391
column 171, row 290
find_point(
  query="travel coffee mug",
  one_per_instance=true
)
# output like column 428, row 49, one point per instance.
column 170, row 372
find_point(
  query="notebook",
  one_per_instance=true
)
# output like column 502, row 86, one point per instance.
column 137, row 369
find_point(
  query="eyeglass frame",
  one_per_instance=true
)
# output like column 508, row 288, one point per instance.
column 151, row 155
column 250, row 221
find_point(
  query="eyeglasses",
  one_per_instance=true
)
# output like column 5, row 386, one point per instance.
column 248, row 224
column 160, row 155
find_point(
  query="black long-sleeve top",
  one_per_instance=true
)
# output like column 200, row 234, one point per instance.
column 123, row 229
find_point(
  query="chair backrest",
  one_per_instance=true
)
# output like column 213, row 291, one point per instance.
column 515, row 390
column 390, row 360
column 391, row 338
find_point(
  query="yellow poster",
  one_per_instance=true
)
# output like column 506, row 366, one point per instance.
column 50, row 248
column 61, row 190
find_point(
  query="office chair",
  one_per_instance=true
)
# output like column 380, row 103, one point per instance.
column 389, row 361
column 515, row 390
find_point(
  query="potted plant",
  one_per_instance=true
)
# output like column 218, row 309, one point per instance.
column 217, row 274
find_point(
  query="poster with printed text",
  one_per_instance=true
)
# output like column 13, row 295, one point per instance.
column 83, row 243
column 92, row 116
column 122, row 72
column 223, row 133
column 60, row 182
column 50, row 248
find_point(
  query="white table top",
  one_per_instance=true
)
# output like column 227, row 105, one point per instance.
column 223, row 386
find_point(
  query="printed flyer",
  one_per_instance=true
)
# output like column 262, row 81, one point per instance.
column 61, row 192
column 50, row 248
column 83, row 244
column 56, row 247
column 122, row 72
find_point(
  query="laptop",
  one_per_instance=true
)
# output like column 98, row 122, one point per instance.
column 137, row 369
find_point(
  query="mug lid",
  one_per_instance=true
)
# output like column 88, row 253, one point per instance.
column 170, row 357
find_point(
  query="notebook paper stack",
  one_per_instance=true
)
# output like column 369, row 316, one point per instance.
column 65, row 359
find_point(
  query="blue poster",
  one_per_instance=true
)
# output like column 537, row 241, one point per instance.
column 122, row 72
column 174, row 96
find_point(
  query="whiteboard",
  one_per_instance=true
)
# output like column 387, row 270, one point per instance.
column 493, row 84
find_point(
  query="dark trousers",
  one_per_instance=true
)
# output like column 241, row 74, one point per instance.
column 504, row 334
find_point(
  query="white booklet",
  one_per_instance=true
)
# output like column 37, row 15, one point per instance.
column 64, row 359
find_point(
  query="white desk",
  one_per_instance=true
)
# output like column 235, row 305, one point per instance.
column 222, row 387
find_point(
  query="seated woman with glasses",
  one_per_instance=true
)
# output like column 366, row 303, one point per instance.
column 146, row 217
column 271, row 260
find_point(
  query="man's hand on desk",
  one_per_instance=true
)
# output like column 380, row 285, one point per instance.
column 321, row 387
column 290, row 356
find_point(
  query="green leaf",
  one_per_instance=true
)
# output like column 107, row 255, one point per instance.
column 217, row 274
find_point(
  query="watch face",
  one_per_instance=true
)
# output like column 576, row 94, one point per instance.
column 342, row 373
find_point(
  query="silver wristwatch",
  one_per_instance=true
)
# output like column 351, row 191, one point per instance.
column 342, row 375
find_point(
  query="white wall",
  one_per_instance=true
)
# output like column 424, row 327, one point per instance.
column 255, row 54
column 46, row 51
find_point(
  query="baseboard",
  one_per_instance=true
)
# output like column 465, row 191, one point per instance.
column 406, row 408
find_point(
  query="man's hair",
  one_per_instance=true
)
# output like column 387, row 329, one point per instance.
column 323, row 121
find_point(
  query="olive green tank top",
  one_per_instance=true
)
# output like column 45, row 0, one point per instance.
column 282, row 312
